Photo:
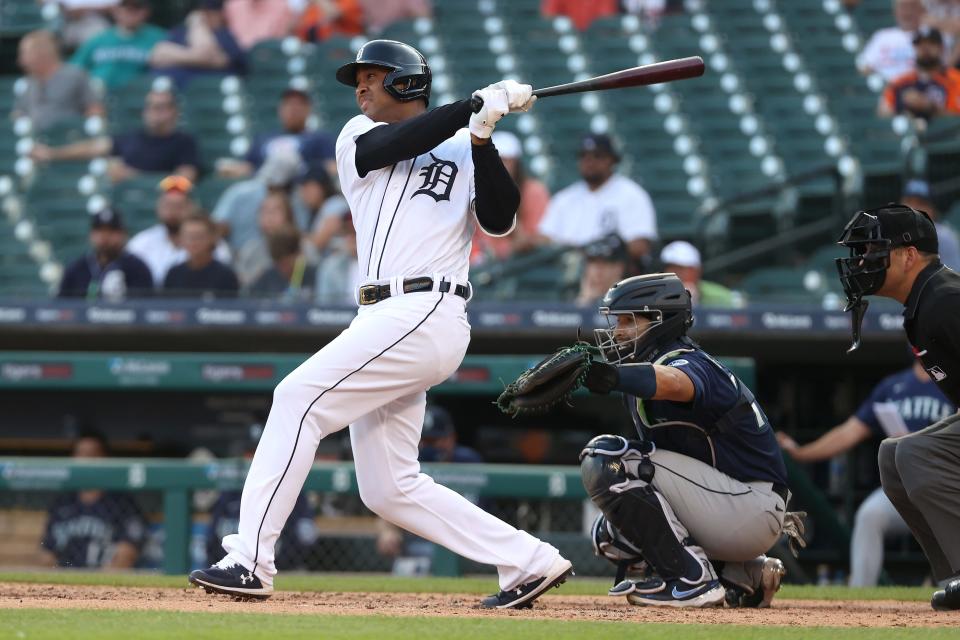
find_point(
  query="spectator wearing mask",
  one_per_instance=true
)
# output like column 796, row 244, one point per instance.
column 294, row 135
column 159, row 147
column 605, row 264
column 889, row 52
column 93, row 528
column 159, row 246
column 917, row 194
column 931, row 89
column 54, row 91
column 291, row 276
column 254, row 256
column 122, row 52
column 601, row 203
column 200, row 275
column 202, row 45
column 534, row 198
column 683, row 259
column 107, row 272
column 324, row 18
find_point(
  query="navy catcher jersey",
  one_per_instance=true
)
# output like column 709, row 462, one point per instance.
column 919, row 403
column 84, row 535
column 746, row 449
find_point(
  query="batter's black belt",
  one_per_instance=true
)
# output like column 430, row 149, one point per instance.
column 374, row 293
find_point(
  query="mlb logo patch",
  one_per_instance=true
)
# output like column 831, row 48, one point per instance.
column 937, row 373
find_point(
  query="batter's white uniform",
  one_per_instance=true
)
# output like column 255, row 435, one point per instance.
column 412, row 219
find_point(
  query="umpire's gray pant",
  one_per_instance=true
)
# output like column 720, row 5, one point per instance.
column 921, row 476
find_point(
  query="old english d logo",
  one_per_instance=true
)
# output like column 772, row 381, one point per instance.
column 438, row 177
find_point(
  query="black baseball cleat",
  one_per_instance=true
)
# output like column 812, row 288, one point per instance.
column 948, row 598
column 232, row 579
column 676, row 593
column 652, row 584
column 523, row 596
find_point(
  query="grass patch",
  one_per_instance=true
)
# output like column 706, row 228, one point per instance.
column 107, row 625
column 390, row 584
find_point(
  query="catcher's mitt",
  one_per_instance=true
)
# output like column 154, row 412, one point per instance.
column 549, row 382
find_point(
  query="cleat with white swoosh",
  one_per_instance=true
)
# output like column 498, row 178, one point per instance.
column 677, row 593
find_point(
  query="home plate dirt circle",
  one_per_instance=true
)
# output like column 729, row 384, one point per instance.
column 836, row 613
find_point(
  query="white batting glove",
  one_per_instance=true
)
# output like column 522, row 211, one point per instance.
column 519, row 96
column 495, row 106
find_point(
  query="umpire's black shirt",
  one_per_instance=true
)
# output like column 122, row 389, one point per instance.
column 932, row 322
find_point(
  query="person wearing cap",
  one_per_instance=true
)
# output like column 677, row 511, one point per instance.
column 605, row 264
column 931, row 89
column 603, row 202
column 918, row 195
column 160, row 146
column 682, row 258
column 534, row 197
column 107, row 271
column 121, row 53
column 893, row 253
column 159, row 246
column 293, row 113
column 889, row 52
column 202, row 45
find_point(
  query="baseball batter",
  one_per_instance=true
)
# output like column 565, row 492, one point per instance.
column 415, row 180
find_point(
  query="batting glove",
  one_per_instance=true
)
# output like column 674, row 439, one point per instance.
column 519, row 96
column 495, row 106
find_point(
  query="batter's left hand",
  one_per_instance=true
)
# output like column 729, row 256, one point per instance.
column 519, row 96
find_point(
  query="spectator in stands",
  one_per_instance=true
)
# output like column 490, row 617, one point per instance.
column 159, row 147
column 54, row 91
column 252, row 21
column 296, row 538
column 122, row 52
column 202, row 45
column 107, row 272
column 683, row 259
column 534, row 198
column 944, row 15
column 602, row 203
column 931, row 89
column 889, row 52
column 605, row 264
column 326, row 205
column 916, row 194
column 902, row 403
column 338, row 274
column 291, row 276
column 84, row 19
column 324, row 18
column 159, row 246
column 200, row 275
column 438, row 443
column 379, row 14
column 93, row 528
column 293, row 112
column 237, row 209
column 581, row 13
column 253, row 258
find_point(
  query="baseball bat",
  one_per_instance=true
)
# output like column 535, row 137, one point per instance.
column 666, row 71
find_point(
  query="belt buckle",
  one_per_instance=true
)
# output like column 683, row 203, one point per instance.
column 368, row 294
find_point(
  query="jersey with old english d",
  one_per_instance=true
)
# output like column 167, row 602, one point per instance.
column 747, row 450
column 414, row 217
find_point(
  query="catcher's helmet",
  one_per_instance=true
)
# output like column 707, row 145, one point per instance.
column 662, row 299
column 409, row 77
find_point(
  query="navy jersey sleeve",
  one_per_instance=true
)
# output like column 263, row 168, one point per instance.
column 72, row 285
column 317, row 146
column 714, row 390
column 128, row 523
column 118, row 145
column 865, row 412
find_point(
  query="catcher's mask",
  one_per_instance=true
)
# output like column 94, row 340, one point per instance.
column 870, row 236
column 663, row 303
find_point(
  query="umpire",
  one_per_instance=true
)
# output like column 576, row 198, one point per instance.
column 893, row 253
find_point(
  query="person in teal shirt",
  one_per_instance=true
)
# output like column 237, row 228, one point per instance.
column 122, row 52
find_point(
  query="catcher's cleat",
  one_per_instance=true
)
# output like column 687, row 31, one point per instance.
column 948, row 598
column 232, row 579
column 653, row 584
column 771, row 575
column 676, row 593
column 523, row 596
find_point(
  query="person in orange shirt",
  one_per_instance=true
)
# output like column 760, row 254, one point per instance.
column 323, row 18
column 931, row 89
column 580, row 12
column 534, row 198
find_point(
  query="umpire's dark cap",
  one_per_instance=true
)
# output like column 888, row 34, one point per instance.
column 906, row 227
column 107, row 218
column 599, row 143
column 437, row 423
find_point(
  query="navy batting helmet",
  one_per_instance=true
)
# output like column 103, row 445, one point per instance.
column 409, row 76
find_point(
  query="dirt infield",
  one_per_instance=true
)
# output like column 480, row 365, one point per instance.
column 785, row 612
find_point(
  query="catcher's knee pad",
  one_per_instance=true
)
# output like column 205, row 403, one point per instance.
column 610, row 544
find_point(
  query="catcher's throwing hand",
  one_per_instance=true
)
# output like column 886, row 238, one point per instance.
column 549, row 382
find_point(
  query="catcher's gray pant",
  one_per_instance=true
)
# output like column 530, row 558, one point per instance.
column 921, row 476
column 730, row 520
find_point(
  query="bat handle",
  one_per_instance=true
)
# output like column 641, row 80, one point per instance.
column 476, row 103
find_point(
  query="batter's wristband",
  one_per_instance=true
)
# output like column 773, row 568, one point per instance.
column 638, row 380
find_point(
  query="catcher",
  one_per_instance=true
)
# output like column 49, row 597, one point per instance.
column 690, row 507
